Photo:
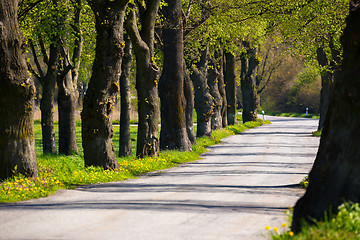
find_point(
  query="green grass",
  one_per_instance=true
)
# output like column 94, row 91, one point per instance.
column 345, row 225
column 66, row 172
column 317, row 133
column 300, row 115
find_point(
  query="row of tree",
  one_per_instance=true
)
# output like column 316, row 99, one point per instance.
column 182, row 49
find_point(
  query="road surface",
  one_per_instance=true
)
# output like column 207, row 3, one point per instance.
column 239, row 187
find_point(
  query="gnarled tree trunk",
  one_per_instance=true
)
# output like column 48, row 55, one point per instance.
column 17, row 91
column 125, row 140
column 189, row 107
column 97, row 130
column 335, row 176
column 147, row 76
column 203, row 98
column 173, row 133
column 67, row 90
column 67, row 102
column 213, row 81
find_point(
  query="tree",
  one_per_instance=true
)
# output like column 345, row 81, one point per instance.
column 17, row 144
column 97, row 130
column 125, row 140
column 221, row 85
column 54, row 28
column 249, row 66
column 329, row 66
column 189, row 106
column 203, row 98
column 46, row 34
column 230, row 83
column 147, row 75
column 173, row 133
column 67, row 81
column 213, row 81
column 334, row 177
column 313, row 30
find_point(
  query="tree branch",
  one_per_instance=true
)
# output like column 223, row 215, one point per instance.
column 41, row 73
column 43, row 50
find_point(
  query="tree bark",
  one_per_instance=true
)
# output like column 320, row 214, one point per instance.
column 326, row 83
column 189, row 107
column 230, row 85
column 17, row 91
column 67, row 102
column 67, row 90
column 203, row 98
column 125, row 140
column 173, row 134
column 222, row 89
column 213, row 81
column 47, row 100
column 250, row 99
column 335, row 176
column 97, row 130
column 147, row 76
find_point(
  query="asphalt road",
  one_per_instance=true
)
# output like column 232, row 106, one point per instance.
column 238, row 188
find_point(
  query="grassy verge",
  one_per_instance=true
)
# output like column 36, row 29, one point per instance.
column 345, row 225
column 300, row 115
column 66, row 172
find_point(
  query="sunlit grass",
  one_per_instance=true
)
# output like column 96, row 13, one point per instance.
column 299, row 115
column 66, row 172
column 345, row 225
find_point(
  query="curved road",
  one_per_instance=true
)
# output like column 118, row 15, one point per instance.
column 239, row 187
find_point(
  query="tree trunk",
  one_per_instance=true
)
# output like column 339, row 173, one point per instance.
column 203, row 98
column 250, row 99
column 125, row 140
column 67, row 102
column 97, row 130
column 67, row 90
column 147, row 76
column 17, row 91
column 326, row 83
column 335, row 176
column 222, row 89
column 173, row 134
column 213, row 81
column 230, row 84
column 189, row 107
column 47, row 100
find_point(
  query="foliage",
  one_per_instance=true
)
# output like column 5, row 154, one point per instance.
column 343, row 225
column 305, row 93
column 305, row 182
column 66, row 172
column 39, row 23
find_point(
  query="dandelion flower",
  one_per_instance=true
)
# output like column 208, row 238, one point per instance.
column 283, row 225
column 267, row 227
column 276, row 229
column 291, row 234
